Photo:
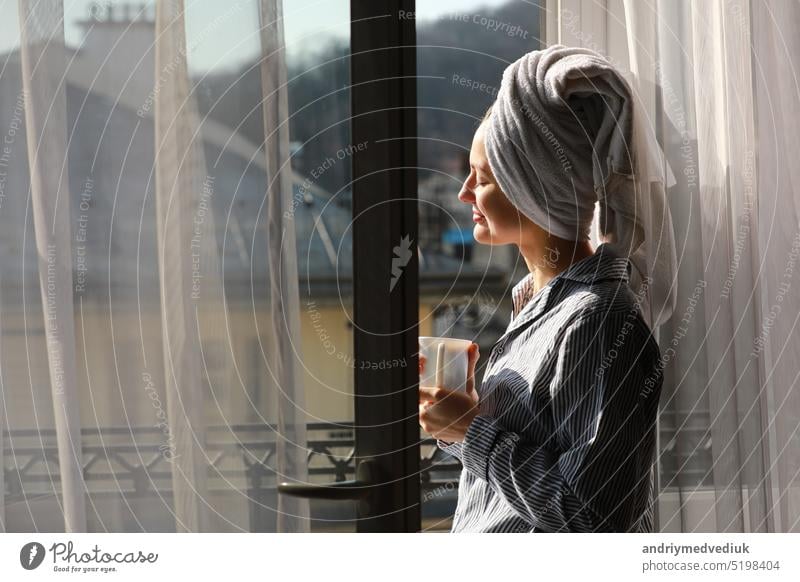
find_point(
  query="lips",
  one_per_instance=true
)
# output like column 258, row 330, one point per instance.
column 477, row 216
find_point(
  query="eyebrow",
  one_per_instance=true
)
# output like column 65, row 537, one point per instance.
column 484, row 167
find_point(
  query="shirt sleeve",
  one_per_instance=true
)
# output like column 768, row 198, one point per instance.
column 450, row 448
column 593, row 473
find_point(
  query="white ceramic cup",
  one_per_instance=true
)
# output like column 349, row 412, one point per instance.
column 452, row 368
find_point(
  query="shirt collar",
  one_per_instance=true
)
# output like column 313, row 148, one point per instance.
column 603, row 265
column 522, row 292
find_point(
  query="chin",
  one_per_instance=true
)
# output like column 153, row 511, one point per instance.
column 482, row 235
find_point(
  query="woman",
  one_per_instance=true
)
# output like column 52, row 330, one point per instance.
column 560, row 436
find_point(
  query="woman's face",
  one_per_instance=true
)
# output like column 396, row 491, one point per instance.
column 497, row 221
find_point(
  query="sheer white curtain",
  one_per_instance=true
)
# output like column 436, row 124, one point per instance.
column 144, row 387
column 719, row 83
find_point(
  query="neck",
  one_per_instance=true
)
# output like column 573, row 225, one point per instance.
column 547, row 256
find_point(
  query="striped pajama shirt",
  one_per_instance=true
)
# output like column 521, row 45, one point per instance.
column 565, row 436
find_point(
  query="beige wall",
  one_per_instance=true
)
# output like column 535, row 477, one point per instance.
column 121, row 378
column 328, row 354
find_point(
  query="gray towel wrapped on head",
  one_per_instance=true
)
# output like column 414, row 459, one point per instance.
column 558, row 136
column 565, row 132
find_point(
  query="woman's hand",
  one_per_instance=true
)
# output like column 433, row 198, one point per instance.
column 446, row 414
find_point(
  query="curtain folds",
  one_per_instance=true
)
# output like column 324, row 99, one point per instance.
column 150, row 367
column 44, row 91
column 723, row 106
column 179, row 184
column 293, row 512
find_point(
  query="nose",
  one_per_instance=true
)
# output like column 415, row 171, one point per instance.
column 466, row 195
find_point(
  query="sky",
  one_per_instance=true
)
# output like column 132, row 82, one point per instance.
column 224, row 33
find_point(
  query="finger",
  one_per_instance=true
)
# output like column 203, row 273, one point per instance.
column 474, row 354
column 425, row 416
column 421, row 363
column 432, row 393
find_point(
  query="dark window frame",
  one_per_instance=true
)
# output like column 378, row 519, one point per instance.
column 384, row 204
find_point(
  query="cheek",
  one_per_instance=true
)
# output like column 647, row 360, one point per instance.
column 497, row 209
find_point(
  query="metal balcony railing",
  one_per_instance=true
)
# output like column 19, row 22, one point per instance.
column 131, row 460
